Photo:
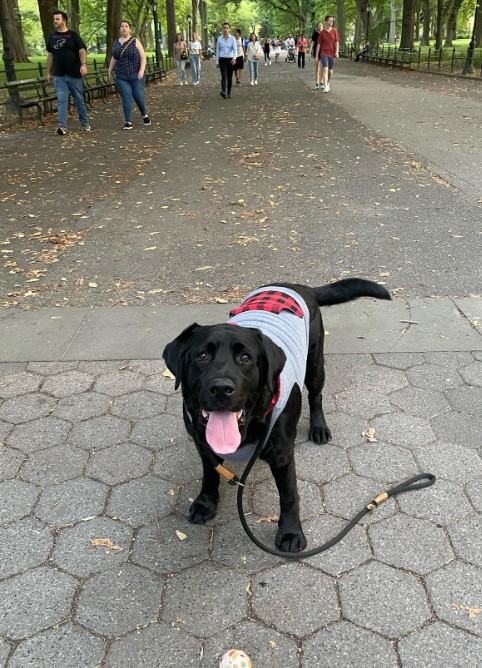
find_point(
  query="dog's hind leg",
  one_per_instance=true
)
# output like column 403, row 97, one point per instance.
column 203, row 508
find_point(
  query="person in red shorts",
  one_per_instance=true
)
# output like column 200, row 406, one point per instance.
column 327, row 50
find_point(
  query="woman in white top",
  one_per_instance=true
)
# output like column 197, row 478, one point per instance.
column 195, row 56
column 254, row 54
column 179, row 52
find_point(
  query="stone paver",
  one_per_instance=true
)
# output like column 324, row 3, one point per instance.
column 99, row 488
column 119, row 600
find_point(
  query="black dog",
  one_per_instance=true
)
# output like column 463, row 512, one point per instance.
column 243, row 383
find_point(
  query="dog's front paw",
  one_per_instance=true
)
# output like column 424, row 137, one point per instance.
column 320, row 433
column 290, row 541
column 203, row 509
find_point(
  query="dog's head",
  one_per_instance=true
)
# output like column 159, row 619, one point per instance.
column 228, row 376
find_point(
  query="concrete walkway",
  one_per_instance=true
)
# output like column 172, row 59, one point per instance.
column 98, row 564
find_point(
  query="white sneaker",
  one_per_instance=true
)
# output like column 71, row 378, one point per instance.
column 266, row 64
column 316, row 86
column 252, row 83
column 255, row 82
column 327, row 88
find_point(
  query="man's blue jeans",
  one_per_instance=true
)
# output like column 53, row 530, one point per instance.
column 75, row 86
column 194, row 58
column 131, row 87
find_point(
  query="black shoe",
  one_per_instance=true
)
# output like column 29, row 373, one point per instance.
column 127, row 126
column 61, row 130
column 223, row 94
column 147, row 120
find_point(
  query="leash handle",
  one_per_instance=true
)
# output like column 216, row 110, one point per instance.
column 411, row 485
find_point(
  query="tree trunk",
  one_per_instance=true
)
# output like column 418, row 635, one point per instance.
column 195, row 11
column 171, row 24
column 114, row 17
column 340, row 26
column 478, row 29
column 74, row 18
column 425, row 41
column 46, row 10
column 451, row 14
column 203, row 11
column 406, row 38
column 439, row 24
column 17, row 39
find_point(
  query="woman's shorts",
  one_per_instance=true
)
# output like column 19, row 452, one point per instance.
column 239, row 63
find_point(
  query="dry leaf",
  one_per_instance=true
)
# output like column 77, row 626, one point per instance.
column 168, row 374
column 269, row 518
column 369, row 434
column 106, row 542
column 181, row 535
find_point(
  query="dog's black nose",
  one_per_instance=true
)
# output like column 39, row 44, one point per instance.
column 221, row 387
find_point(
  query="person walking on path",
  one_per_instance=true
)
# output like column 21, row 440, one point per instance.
column 129, row 61
column 266, row 49
column 254, row 53
column 277, row 49
column 240, row 56
column 301, row 46
column 313, row 47
column 179, row 53
column 67, row 64
column 327, row 50
column 195, row 57
column 226, row 51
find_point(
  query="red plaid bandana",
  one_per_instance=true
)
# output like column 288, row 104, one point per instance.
column 269, row 300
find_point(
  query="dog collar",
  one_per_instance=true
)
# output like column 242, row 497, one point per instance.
column 275, row 397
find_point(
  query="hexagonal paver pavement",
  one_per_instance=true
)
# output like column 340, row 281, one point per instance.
column 411, row 544
column 100, row 432
column 119, row 463
column 93, row 546
column 466, row 537
column 39, row 434
column 23, row 544
column 347, row 645
column 351, row 551
column 295, row 599
column 439, row 645
column 54, row 465
column 171, row 545
column 34, row 601
column 138, row 405
column 71, row 501
column 65, row 384
column 197, row 614
column 265, row 647
column 456, row 594
column 95, row 543
column 156, row 645
column 17, row 499
column 376, row 587
column 119, row 600
column 62, row 646
column 142, row 501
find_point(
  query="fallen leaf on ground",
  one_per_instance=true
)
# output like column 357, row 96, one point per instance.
column 369, row 434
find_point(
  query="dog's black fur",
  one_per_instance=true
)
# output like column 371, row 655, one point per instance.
column 221, row 367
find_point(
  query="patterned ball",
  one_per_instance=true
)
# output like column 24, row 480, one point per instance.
column 235, row 658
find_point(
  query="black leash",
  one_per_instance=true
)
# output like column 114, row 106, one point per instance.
column 412, row 484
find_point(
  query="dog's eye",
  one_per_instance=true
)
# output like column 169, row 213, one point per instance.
column 202, row 356
column 245, row 357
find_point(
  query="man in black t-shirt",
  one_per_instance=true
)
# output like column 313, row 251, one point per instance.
column 67, row 63
column 313, row 45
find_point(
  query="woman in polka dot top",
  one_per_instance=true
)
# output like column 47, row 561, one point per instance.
column 129, row 61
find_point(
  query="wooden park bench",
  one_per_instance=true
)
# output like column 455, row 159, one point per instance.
column 27, row 94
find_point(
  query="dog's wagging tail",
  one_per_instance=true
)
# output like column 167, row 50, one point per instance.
column 242, row 386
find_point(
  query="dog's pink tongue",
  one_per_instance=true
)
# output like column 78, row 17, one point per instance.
column 222, row 432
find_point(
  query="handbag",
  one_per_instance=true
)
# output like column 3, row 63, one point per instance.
column 185, row 55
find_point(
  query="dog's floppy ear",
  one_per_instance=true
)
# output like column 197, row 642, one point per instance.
column 175, row 351
column 275, row 357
